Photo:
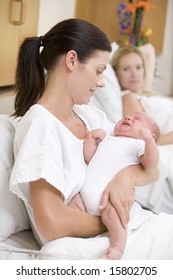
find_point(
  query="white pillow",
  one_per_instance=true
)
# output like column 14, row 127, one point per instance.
column 115, row 47
column 13, row 216
column 108, row 98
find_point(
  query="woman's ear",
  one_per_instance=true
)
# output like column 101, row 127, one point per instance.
column 71, row 59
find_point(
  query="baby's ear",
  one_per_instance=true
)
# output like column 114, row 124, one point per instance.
column 154, row 136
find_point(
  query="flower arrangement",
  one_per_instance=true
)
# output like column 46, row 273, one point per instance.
column 130, row 18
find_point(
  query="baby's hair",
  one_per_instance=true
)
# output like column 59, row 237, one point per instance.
column 155, row 128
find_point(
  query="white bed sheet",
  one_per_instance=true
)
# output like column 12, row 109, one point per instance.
column 21, row 245
column 147, row 240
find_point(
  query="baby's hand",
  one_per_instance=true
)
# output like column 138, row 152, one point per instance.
column 98, row 134
column 92, row 139
column 146, row 134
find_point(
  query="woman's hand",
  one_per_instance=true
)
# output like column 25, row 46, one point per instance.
column 120, row 191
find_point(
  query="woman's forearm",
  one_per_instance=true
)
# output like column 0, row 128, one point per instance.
column 130, row 104
column 148, row 51
column 166, row 139
column 142, row 176
column 54, row 219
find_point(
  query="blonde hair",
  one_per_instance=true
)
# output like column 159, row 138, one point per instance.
column 125, row 50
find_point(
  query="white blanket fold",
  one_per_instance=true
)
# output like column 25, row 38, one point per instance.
column 149, row 237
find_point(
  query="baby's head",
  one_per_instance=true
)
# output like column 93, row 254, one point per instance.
column 130, row 126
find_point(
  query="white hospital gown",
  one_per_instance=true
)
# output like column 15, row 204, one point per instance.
column 45, row 148
column 112, row 155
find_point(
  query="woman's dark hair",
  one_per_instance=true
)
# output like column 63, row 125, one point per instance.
column 71, row 34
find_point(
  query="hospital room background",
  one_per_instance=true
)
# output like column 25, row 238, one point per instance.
column 53, row 11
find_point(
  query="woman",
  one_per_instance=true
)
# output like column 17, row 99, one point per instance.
column 49, row 164
column 129, row 65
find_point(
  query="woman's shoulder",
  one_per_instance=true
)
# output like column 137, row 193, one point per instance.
column 37, row 113
column 37, row 118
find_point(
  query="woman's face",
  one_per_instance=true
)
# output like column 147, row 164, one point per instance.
column 89, row 76
column 130, row 72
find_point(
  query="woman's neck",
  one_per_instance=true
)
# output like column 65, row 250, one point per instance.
column 132, row 90
column 56, row 99
column 59, row 108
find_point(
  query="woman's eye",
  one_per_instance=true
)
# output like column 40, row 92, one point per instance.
column 99, row 73
column 139, row 67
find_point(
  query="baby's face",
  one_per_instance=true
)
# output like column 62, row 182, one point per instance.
column 131, row 125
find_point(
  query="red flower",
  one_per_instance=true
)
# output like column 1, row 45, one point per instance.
column 145, row 4
column 131, row 7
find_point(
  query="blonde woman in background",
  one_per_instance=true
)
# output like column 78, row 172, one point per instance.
column 134, row 68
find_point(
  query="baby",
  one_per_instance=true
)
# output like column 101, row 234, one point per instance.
column 134, row 142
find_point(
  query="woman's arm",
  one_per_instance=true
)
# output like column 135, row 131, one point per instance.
column 166, row 139
column 130, row 104
column 148, row 51
column 120, row 190
column 54, row 219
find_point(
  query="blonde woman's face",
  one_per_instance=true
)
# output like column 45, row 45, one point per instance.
column 130, row 72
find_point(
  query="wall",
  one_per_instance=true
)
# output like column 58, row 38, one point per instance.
column 163, row 82
column 53, row 11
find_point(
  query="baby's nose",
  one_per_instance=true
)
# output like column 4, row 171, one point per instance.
column 128, row 118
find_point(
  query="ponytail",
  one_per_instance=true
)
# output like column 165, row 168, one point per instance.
column 71, row 34
column 30, row 79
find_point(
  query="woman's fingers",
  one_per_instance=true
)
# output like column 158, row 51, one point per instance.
column 122, row 211
column 104, row 200
column 121, row 198
column 128, row 204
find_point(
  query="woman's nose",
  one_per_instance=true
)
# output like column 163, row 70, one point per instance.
column 134, row 72
column 100, row 82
